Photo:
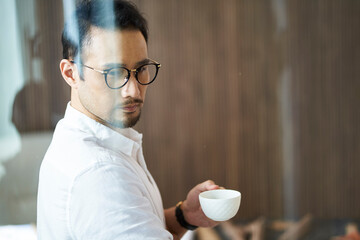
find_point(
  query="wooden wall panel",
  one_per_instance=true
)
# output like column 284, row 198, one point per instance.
column 324, row 55
column 50, row 18
column 40, row 104
column 215, row 110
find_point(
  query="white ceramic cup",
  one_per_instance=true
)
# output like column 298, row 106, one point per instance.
column 220, row 204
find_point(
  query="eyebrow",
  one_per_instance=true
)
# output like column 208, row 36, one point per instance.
column 114, row 65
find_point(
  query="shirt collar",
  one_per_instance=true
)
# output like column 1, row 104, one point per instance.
column 123, row 140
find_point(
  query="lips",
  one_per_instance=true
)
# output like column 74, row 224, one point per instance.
column 130, row 105
column 130, row 108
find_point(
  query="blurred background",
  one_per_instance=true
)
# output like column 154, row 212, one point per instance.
column 261, row 96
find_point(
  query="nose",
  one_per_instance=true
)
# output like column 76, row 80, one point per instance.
column 131, row 88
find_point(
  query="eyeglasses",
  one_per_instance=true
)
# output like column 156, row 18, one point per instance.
column 117, row 77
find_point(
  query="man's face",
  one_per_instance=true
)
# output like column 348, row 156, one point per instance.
column 119, row 108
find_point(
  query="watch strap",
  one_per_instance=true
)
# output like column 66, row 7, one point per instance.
column 181, row 219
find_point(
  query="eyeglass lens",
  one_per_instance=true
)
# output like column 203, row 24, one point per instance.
column 117, row 77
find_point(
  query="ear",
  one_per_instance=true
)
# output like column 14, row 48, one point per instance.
column 69, row 73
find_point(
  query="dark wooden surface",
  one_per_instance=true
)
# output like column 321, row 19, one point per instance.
column 217, row 112
column 212, row 113
column 324, row 53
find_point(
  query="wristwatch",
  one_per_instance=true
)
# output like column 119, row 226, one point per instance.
column 180, row 218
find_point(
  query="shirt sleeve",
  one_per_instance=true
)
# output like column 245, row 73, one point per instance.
column 108, row 202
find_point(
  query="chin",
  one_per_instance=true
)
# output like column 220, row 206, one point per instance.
column 125, row 122
column 131, row 122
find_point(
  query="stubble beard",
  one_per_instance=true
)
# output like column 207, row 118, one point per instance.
column 128, row 121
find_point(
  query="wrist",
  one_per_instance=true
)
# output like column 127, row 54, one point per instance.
column 186, row 211
column 181, row 210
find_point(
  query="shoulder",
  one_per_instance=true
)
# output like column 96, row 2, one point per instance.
column 73, row 152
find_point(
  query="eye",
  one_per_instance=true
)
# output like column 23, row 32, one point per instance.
column 114, row 72
column 143, row 68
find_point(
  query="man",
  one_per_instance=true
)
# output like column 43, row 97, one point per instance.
column 94, row 183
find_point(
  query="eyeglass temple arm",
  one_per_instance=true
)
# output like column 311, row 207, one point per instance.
column 96, row 70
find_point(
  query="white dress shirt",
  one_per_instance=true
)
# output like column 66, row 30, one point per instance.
column 94, row 184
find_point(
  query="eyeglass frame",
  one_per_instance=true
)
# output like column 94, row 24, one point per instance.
column 136, row 70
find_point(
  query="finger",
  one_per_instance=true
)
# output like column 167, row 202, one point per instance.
column 213, row 187
column 207, row 185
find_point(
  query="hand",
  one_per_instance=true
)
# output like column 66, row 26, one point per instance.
column 191, row 206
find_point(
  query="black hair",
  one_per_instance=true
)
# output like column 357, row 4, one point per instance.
column 122, row 15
